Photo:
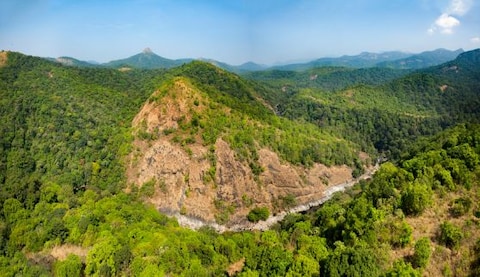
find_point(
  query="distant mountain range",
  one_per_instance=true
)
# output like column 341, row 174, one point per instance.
column 365, row 59
column 73, row 62
column 422, row 60
column 147, row 59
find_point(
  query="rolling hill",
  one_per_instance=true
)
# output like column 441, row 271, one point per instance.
column 73, row 62
column 91, row 160
column 392, row 59
column 147, row 59
column 423, row 60
column 408, row 105
column 365, row 59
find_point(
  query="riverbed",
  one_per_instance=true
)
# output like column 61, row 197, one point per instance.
column 194, row 223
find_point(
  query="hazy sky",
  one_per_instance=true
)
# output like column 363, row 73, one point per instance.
column 236, row 31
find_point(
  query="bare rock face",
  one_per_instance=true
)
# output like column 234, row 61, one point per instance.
column 182, row 177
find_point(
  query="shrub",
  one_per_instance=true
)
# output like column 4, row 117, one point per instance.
column 461, row 206
column 401, row 268
column 450, row 235
column 422, row 253
column 258, row 213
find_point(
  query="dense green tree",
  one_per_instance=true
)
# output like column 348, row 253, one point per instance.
column 270, row 260
column 350, row 261
column 101, row 258
column 415, row 199
column 303, row 266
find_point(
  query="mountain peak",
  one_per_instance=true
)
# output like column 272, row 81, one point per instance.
column 146, row 60
column 147, row 51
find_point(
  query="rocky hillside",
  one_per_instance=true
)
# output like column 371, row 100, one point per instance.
column 195, row 155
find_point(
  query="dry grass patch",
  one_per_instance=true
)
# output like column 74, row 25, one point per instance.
column 3, row 58
column 61, row 252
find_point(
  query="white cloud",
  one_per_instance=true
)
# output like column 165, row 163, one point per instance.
column 449, row 19
column 475, row 40
column 459, row 7
column 445, row 23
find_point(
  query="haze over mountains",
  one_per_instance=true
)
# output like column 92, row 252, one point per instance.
column 147, row 59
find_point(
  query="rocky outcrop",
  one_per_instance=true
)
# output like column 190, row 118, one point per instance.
column 182, row 177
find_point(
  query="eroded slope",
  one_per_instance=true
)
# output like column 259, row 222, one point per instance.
column 202, row 159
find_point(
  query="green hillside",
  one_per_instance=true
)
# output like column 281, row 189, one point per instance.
column 364, row 59
column 326, row 78
column 66, row 131
column 72, row 62
column 423, row 60
column 384, row 114
column 392, row 59
column 251, row 121
column 146, row 60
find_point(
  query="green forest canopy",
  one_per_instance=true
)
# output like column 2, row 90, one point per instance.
column 61, row 177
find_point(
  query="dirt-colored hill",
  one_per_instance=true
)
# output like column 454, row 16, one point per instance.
column 180, row 175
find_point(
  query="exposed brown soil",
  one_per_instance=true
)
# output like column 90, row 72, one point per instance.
column 61, row 252
column 181, row 186
column 236, row 267
column 428, row 225
column 3, row 58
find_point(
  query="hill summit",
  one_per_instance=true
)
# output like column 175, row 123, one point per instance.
column 147, row 59
column 208, row 147
column 147, row 51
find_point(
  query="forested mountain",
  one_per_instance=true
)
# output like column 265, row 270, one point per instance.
column 394, row 60
column 423, row 60
column 365, row 59
column 149, row 60
column 146, row 60
column 397, row 60
column 60, row 121
column 380, row 110
column 325, row 78
column 239, row 69
column 251, row 66
column 88, row 157
column 73, row 62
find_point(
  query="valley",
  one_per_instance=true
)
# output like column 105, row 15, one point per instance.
column 195, row 223
column 193, row 170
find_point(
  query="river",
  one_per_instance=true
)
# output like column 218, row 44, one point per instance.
column 195, row 223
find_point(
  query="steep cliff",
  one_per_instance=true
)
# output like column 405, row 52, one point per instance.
column 181, row 169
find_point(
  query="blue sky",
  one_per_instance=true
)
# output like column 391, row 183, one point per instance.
column 236, row 31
